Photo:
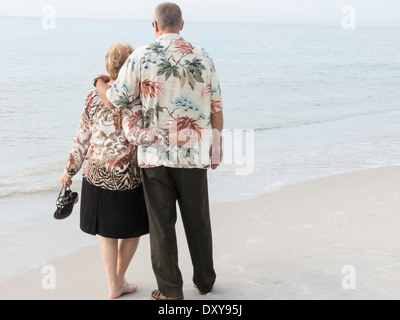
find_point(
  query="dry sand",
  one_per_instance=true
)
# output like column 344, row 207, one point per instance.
column 289, row 244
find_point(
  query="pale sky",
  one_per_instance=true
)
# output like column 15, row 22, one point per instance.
column 325, row 12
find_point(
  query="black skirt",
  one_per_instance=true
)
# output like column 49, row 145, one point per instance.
column 113, row 214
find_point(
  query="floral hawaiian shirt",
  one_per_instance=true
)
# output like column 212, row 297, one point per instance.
column 179, row 89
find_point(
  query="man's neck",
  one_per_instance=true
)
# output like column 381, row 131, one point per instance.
column 161, row 33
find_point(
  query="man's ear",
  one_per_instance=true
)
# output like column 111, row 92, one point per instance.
column 156, row 28
column 183, row 24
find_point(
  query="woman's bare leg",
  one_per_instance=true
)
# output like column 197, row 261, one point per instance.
column 126, row 250
column 109, row 251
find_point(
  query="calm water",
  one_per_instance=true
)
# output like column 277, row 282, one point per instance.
column 321, row 100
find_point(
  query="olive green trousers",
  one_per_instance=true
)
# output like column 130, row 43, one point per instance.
column 164, row 187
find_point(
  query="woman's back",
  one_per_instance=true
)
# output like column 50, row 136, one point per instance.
column 110, row 158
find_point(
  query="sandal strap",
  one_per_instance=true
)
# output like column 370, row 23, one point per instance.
column 64, row 197
column 157, row 295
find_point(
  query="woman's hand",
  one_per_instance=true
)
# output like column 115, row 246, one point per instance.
column 65, row 181
column 184, row 138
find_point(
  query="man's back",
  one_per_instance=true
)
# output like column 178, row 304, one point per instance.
column 178, row 86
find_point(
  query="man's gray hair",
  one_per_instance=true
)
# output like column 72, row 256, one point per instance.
column 168, row 15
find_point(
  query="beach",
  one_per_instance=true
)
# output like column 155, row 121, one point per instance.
column 305, row 203
column 304, row 241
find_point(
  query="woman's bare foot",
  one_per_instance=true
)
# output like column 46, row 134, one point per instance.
column 123, row 289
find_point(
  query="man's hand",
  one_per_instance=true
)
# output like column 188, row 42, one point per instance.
column 216, row 155
column 105, row 78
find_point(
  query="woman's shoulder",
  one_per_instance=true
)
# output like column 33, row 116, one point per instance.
column 93, row 101
column 92, row 97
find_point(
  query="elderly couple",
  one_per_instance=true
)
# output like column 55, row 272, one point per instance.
column 148, row 134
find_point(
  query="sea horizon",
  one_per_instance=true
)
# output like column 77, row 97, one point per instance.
column 338, row 25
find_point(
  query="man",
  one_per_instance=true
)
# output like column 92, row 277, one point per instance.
column 179, row 89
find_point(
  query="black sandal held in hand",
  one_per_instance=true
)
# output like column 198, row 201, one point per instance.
column 65, row 203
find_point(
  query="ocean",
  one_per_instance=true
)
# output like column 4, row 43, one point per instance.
column 300, row 102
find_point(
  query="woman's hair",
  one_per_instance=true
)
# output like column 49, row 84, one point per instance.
column 116, row 56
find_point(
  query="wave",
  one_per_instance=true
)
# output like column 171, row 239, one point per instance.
column 39, row 169
column 31, row 189
column 319, row 121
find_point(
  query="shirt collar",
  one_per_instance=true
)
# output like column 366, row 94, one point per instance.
column 170, row 36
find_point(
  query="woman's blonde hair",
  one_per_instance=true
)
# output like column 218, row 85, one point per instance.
column 116, row 56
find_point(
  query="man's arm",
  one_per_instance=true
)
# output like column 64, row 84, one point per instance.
column 217, row 120
column 102, row 87
column 216, row 153
column 126, row 88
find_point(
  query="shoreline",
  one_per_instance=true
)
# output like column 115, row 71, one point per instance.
column 291, row 243
column 43, row 206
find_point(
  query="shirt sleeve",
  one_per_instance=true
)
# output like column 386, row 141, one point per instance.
column 80, row 145
column 126, row 88
column 216, row 94
column 132, row 124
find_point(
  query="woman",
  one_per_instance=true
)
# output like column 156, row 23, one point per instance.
column 112, row 199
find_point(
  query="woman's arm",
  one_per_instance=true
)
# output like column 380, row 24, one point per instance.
column 132, row 124
column 81, row 143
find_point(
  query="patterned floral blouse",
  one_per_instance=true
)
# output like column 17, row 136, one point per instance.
column 179, row 89
column 106, row 144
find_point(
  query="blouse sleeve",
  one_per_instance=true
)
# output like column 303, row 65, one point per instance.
column 132, row 123
column 81, row 144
